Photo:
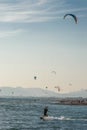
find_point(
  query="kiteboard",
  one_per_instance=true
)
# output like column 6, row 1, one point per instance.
column 46, row 117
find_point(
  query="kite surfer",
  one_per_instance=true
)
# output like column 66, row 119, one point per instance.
column 45, row 111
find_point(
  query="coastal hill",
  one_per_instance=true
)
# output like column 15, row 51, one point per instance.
column 80, row 93
column 26, row 92
column 38, row 92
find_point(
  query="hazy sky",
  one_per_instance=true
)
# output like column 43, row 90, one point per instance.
column 35, row 40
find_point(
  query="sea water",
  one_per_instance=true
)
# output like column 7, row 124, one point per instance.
column 24, row 114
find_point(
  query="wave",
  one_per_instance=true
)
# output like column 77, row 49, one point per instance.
column 66, row 118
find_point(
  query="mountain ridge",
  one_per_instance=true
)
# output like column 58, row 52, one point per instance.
column 38, row 92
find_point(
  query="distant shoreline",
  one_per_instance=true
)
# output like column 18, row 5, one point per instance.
column 54, row 100
column 71, row 101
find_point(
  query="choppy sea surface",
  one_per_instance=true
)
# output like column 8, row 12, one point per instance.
column 24, row 114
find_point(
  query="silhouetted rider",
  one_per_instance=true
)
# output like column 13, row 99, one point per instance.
column 45, row 111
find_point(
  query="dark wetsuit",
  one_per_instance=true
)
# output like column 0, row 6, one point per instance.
column 45, row 111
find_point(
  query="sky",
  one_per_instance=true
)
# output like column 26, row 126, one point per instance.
column 36, row 40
